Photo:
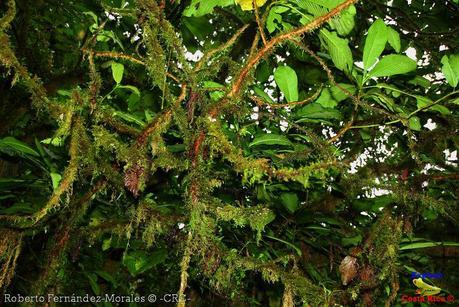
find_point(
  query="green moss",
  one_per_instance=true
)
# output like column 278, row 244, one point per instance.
column 255, row 217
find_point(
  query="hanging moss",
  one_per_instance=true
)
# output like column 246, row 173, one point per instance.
column 255, row 217
column 10, row 249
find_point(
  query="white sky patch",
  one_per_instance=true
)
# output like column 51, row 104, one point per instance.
column 451, row 157
column 425, row 60
column 194, row 57
column 375, row 192
column 269, row 90
column 443, row 48
column 434, row 77
column 112, row 16
column 379, row 152
column 254, row 115
column 359, row 64
column 328, row 132
column 430, row 125
column 411, row 53
column 389, row 21
column 280, row 59
column 283, row 125
column 429, row 167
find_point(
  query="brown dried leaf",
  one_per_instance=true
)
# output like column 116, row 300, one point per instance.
column 348, row 269
column 132, row 179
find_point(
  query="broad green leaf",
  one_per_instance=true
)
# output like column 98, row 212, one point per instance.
column 263, row 72
column 298, row 251
column 454, row 62
column 55, row 178
column 138, row 261
column 287, row 81
column 7, row 183
column 198, row 27
column 352, row 241
column 214, row 95
column 94, row 18
column 316, row 111
column 345, row 22
column 421, row 81
column 374, row 43
column 107, row 276
column 393, row 64
column 423, row 102
column 338, row 49
column 262, row 94
column 93, row 282
column 134, row 262
column 414, row 123
column 133, row 102
column 199, row 8
column 19, row 208
column 271, row 139
column 117, row 72
column 329, row 4
column 451, row 73
column 385, row 101
column 106, row 244
column 290, row 201
column 132, row 88
column 418, row 245
column 11, row 144
column 274, row 19
column 112, row 35
column 129, row 118
column 312, row 7
column 394, row 39
column 65, row 93
column 331, row 96
column 56, row 141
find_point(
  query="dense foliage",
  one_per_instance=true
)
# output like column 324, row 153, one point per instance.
column 289, row 152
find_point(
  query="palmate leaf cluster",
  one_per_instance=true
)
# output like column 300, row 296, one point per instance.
column 291, row 152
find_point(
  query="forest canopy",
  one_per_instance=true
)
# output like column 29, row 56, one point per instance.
column 230, row 152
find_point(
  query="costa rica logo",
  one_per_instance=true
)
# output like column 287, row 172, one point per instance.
column 425, row 292
column 424, row 288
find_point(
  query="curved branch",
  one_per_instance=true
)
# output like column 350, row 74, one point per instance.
column 314, row 24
